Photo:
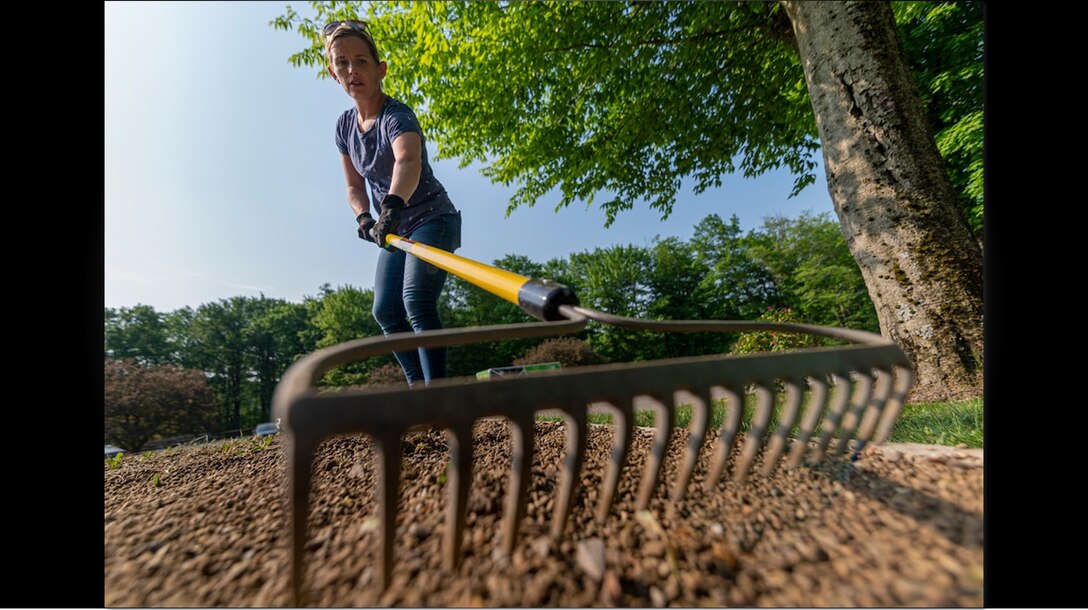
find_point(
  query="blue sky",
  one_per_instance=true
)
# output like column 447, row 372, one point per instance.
column 222, row 177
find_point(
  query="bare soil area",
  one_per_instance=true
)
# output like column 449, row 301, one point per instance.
column 207, row 526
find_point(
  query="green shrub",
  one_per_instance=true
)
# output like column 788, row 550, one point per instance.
column 774, row 341
column 567, row 351
column 389, row 374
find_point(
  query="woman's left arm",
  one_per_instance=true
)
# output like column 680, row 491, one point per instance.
column 407, row 150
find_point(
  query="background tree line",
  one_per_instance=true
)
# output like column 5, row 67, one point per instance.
column 239, row 348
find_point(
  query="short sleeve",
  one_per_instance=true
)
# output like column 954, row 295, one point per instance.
column 342, row 132
column 402, row 120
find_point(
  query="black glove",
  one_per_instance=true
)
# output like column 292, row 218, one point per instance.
column 366, row 223
column 389, row 220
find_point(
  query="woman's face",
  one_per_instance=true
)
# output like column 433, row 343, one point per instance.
column 355, row 69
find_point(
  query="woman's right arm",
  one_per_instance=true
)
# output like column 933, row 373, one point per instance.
column 357, row 198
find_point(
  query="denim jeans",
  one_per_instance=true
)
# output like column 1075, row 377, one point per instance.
column 406, row 293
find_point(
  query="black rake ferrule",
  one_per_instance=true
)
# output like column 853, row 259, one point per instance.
column 542, row 298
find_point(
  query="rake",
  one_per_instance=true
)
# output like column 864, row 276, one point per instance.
column 854, row 395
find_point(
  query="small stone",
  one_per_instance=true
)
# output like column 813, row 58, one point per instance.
column 723, row 553
column 418, row 531
column 153, row 546
column 499, row 557
column 369, row 525
column 479, row 538
column 672, row 589
column 157, row 558
column 653, row 548
column 542, row 546
column 949, row 564
column 717, row 529
column 663, row 570
column 519, row 560
column 590, row 557
column 657, row 597
column 611, row 591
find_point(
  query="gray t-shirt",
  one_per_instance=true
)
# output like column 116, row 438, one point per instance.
column 372, row 155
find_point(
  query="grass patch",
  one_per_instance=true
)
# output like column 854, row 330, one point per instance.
column 115, row 461
column 941, row 423
column 934, row 423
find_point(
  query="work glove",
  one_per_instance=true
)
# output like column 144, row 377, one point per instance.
column 389, row 220
column 366, row 223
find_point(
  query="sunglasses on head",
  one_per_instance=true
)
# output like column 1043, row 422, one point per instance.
column 354, row 24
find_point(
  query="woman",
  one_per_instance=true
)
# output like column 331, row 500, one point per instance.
column 381, row 142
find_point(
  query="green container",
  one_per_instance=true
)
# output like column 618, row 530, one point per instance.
column 517, row 371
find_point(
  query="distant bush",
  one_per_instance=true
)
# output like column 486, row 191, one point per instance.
column 146, row 402
column 774, row 341
column 567, row 351
column 389, row 374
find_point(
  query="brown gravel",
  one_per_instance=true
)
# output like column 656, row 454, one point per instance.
column 901, row 526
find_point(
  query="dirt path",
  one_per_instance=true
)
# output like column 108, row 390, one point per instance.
column 901, row 526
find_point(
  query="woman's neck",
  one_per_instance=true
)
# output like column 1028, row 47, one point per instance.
column 369, row 110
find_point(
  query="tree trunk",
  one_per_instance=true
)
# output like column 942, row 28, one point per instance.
column 896, row 205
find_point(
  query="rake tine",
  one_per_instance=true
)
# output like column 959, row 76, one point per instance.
column 728, row 433
column 665, row 415
column 843, row 386
column 522, row 433
column 876, row 407
column 785, row 424
column 572, row 467
column 460, row 477
column 816, row 404
column 891, row 410
column 754, row 438
column 300, row 451
column 853, row 417
column 621, row 445
column 388, row 494
column 696, row 438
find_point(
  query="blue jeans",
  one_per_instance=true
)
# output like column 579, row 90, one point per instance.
column 406, row 293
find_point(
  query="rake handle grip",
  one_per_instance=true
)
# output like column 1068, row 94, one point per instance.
column 537, row 297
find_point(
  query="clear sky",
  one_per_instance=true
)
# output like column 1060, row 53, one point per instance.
column 222, row 177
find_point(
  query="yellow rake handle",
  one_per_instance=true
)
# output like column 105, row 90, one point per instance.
column 537, row 297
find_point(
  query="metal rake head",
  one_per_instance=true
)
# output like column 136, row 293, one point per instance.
column 848, row 394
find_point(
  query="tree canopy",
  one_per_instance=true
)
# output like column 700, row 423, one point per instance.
column 631, row 99
column 944, row 42
column 624, row 98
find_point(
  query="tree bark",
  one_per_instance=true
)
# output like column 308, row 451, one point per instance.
column 896, row 205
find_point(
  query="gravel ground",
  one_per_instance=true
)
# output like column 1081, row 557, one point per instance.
column 900, row 526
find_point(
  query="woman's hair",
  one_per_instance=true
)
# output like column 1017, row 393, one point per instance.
column 348, row 30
